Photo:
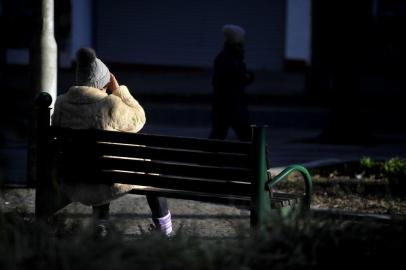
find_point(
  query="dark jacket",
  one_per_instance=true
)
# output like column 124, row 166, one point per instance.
column 230, row 77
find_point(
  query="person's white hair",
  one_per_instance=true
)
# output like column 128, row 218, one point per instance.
column 234, row 33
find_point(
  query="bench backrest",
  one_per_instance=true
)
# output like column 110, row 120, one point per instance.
column 163, row 164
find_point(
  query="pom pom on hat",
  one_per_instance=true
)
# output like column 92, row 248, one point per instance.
column 85, row 56
column 90, row 70
column 233, row 33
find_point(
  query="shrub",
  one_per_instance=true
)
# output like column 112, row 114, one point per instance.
column 303, row 244
column 394, row 167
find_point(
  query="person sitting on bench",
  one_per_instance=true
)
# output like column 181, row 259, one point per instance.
column 97, row 101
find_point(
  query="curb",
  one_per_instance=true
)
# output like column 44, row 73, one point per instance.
column 313, row 164
column 357, row 216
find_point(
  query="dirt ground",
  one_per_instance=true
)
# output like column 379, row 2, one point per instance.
column 131, row 214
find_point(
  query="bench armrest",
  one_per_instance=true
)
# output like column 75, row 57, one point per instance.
column 286, row 172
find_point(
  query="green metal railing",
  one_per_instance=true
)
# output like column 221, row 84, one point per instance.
column 263, row 185
column 306, row 177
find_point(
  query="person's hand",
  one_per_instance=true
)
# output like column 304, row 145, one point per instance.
column 113, row 85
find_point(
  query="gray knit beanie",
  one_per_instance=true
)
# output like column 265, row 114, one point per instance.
column 233, row 33
column 90, row 70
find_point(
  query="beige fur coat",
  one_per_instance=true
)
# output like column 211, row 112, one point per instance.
column 83, row 107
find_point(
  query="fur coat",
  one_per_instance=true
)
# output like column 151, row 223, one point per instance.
column 83, row 107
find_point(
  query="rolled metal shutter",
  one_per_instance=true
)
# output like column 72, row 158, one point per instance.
column 188, row 33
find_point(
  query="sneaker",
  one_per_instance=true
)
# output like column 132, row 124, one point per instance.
column 154, row 229
column 100, row 229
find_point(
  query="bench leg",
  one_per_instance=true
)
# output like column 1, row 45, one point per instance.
column 260, row 201
column 48, row 200
column 48, row 196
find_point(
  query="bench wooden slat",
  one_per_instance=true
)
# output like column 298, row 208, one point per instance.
column 175, row 169
column 153, row 140
column 169, row 182
column 199, row 196
column 242, row 201
column 175, row 155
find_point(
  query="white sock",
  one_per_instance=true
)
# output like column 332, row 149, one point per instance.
column 164, row 224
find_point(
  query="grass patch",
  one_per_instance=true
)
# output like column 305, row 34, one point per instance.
column 306, row 243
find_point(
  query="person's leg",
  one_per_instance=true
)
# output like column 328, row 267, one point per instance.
column 101, row 215
column 243, row 132
column 158, row 206
column 218, row 132
column 219, row 125
column 241, row 124
column 161, row 215
column 219, row 120
column 101, row 212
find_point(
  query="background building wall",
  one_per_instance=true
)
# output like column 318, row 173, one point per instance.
column 82, row 25
column 188, row 33
column 298, row 30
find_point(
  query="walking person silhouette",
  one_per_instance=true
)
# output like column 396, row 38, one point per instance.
column 230, row 77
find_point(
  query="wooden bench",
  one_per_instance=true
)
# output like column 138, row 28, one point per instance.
column 175, row 167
